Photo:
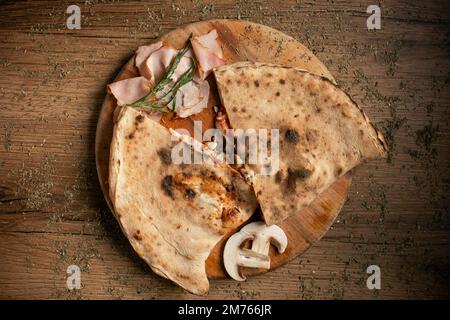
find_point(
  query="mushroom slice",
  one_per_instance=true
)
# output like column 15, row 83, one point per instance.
column 266, row 235
column 234, row 256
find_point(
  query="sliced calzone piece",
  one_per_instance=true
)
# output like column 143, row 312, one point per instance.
column 322, row 132
column 173, row 213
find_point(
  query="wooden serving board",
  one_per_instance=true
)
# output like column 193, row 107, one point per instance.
column 241, row 40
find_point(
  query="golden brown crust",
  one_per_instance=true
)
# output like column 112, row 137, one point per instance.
column 323, row 132
column 173, row 215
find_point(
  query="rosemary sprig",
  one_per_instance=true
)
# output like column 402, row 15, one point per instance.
column 173, row 66
column 186, row 77
column 150, row 101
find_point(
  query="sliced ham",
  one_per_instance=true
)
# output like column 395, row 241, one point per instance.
column 192, row 98
column 129, row 90
column 208, row 52
column 184, row 64
column 211, row 41
column 188, row 96
column 155, row 65
column 153, row 60
column 143, row 52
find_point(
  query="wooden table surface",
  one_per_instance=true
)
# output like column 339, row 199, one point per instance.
column 52, row 212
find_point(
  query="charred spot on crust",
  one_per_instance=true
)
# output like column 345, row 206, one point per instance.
column 282, row 81
column 229, row 214
column 256, row 83
column 140, row 118
column 278, row 176
column 303, row 173
column 166, row 185
column 182, row 276
column 131, row 136
column 277, row 93
column 292, row 136
column 207, row 174
column 338, row 171
column 137, row 236
column 165, row 156
column 311, row 136
column 296, row 174
column 189, row 193
column 230, row 188
column 234, row 109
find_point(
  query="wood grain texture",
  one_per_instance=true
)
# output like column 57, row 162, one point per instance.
column 52, row 212
column 241, row 41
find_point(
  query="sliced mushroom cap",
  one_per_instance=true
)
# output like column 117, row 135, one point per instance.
column 258, row 257
column 265, row 235
column 231, row 254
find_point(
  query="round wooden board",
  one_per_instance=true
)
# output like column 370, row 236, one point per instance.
column 242, row 40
